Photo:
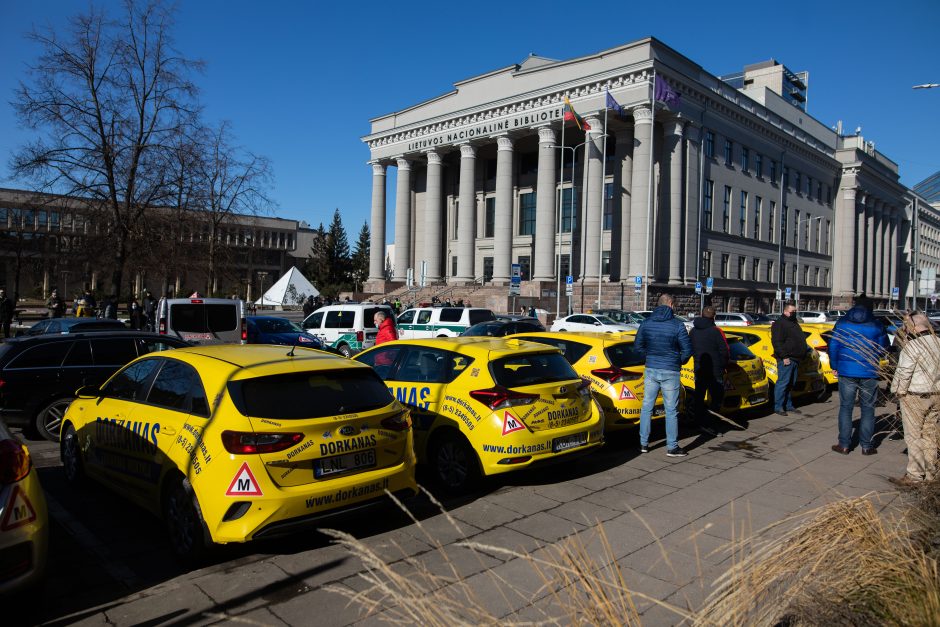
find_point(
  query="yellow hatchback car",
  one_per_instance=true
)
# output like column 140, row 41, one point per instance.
column 816, row 336
column 231, row 443
column 809, row 378
column 613, row 368
column 746, row 384
column 485, row 406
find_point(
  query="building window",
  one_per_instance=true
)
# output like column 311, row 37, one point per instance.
column 771, row 225
column 784, row 217
column 565, row 264
column 818, row 236
column 829, row 195
column 456, row 221
column 758, row 165
column 805, row 275
column 808, row 221
column 28, row 219
column 707, row 205
column 758, row 207
column 4, row 216
column 816, row 277
column 742, row 216
column 818, row 191
column 527, row 214
column 773, row 171
column 726, row 217
column 453, row 266
column 742, row 262
column 796, row 230
column 826, row 277
column 608, row 205
column 828, row 234
column 809, row 186
column 725, row 262
column 487, row 269
column 796, row 274
column 528, row 164
column 41, row 220
column 490, row 216
column 770, row 271
column 605, row 262
column 525, row 263
column 796, row 187
column 745, row 159
column 709, row 144
column 706, row 269
column 786, row 177
column 569, row 219
column 755, row 270
column 729, row 152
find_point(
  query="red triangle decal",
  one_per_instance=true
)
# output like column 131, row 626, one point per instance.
column 511, row 423
column 626, row 394
column 244, row 483
column 19, row 511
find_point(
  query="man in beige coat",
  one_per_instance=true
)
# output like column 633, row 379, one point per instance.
column 917, row 386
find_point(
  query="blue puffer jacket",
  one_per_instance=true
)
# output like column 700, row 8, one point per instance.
column 858, row 343
column 663, row 340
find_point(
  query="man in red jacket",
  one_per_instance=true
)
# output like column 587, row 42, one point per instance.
column 386, row 328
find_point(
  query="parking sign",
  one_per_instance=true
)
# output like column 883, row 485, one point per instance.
column 787, row 293
column 709, row 285
column 698, row 287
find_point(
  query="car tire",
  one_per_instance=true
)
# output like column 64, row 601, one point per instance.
column 71, row 453
column 184, row 521
column 454, row 465
column 49, row 418
column 345, row 351
column 562, row 330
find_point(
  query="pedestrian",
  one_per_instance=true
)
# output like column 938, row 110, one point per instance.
column 110, row 307
column 789, row 344
column 711, row 353
column 136, row 314
column 150, row 312
column 90, row 304
column 459, row 303
column 532, row 313
column 397, row 306
column 6, row 312
column 917, row 387
column 385, row 326
column 665, row 343
column 856, row 348
column 55, row 305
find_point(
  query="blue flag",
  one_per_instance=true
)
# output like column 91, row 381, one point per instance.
column 666, row 94
column 613, row 104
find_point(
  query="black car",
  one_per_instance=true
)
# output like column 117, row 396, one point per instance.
column 39, row 375
column 501, row 328
column 72, row 325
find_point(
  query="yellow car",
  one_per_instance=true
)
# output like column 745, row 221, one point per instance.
column 484, row 405
column 231, row 443
column 817, row 334
column 809, row 378
column 614, row 370
column 24, row 520
column 746, row 384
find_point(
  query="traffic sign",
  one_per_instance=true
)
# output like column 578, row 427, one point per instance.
column 515, row 280
column 895, row 292
column 709, row 285
column 569, row 285
column 779, row 294
column 698, row 287
column 789, row 292
column 638, row 284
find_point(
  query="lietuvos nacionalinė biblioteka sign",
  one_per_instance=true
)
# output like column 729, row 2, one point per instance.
column 486, row 129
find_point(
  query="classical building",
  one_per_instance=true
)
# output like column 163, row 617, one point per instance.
column 695, row 177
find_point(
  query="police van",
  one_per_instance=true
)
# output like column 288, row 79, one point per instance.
column 426, row 322
column 347, row 327
column 203, row 320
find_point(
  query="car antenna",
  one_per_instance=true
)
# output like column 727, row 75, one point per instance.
column 290, row 353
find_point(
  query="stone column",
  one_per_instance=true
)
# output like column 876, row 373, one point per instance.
column 639, row 199
column 871, row 227
column 894, row 280
column 502, row 227
column 403, row 220
column 623, row 187
column 377, row 235
column 434, row 217
column 861, row 243
column 880, row 252
column 692, row 255
column 466, row 213
column 672, row 214
column 594, row 178
column 546, row 196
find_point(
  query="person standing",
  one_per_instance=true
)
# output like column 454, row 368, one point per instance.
column 711, row 353
column 55, row 305
column 665, row 343
column 858, row 343
column 790, row 347
column 150, row 312
column 6, row 312
column 918, row 390
column 110, row 307
column 136, row 314
column 386, row 328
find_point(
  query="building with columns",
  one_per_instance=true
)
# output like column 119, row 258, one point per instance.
column 735, row 183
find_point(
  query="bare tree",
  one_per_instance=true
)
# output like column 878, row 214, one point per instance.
column 107, row 97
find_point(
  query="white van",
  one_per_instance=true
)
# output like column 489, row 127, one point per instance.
column 347, row 327
column 203, row 320
column 425, row 322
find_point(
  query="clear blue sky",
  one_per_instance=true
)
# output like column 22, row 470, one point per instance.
column 300, row 80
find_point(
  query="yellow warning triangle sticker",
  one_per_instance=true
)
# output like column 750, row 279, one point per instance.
column 511, row 423
column 19, row 511
column 244, row 483
column 626, row 394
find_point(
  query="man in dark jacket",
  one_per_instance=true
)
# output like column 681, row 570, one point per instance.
column 790, row 347
column 6, row 312
column 665, row 342
column 710, row 349
column 858, row 343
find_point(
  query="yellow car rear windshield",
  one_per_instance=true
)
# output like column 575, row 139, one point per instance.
column 314, row 394
column 531, row 369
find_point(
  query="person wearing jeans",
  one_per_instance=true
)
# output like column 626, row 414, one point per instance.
column 656, row 381
column 790, row 347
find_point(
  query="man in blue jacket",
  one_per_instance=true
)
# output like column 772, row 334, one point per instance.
column 858, row 343
column 665, row 342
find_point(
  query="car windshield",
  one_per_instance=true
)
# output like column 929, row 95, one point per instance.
column 623, row 355
column 531, row 369
column 606, row 320
column 277, row 325
column 484, row 329
column 739, row 352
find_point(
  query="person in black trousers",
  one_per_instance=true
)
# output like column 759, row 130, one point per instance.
column 711, row 354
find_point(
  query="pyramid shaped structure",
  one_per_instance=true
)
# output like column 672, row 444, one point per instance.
column 289, row 291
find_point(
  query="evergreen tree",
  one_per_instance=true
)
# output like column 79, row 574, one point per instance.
column 316, row 267
column 337, row 251
column 360, row 258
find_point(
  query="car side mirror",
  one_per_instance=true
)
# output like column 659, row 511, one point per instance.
column 88, row 391
column 596, row 323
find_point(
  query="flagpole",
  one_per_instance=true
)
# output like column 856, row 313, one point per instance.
column 649, row 193
column 600, row 231
column 561, row 200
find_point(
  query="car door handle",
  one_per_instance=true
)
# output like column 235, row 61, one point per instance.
column 167, row 430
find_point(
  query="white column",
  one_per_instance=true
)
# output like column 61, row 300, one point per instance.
column 546, row 195
column 594, row 177
column 403, row 220
column 870, row 229
column 692, row 262
column 672, row 216
column 377, row 235
column 639, row 198
column 861, row 243
column 502, row 227
column 466, row 213
column 434, row 217
column 894, row 280
column 879, row 248
column 623, row 187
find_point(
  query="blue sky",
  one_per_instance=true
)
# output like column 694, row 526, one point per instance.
column 299, row 81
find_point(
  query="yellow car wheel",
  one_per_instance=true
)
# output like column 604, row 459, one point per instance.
column 183, row 521
column 72, row 461
column 453, row 462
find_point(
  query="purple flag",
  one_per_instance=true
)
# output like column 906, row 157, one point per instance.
column 613, row 104
column 666, row 94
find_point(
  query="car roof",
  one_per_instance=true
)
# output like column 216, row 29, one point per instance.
column 479, row 346
column 96, row 334
column 257, row 360
column 588, row 337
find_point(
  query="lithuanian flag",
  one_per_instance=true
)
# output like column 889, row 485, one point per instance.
column 572, row 116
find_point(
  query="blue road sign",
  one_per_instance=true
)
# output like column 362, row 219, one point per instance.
column 569, row 280
column 895, row 292
column 638, row 281
column 787, row 293
column 709, row 285
column 698, row 287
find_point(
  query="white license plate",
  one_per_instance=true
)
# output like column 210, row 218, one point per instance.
column 344, row 463
column 756, row 400
column 569, row 442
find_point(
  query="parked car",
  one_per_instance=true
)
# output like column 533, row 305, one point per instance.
column 39, row 375
column 813, row 316
column 273, row 330
column 347, row 327
column 203, row 320
column 590, row 322
column 622, row 316
column 71, row 325
column 733, row 319
column 24, row 520
column 427, row 322
column 745, row 380
column 835, row 314
column 760, row 318
column 501, row 328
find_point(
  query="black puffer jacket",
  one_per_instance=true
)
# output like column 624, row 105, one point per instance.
column 709, row 346
column 788, row 339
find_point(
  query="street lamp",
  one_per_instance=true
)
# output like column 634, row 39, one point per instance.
column 561, row 195
column 799, row 238
column 262, row 275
